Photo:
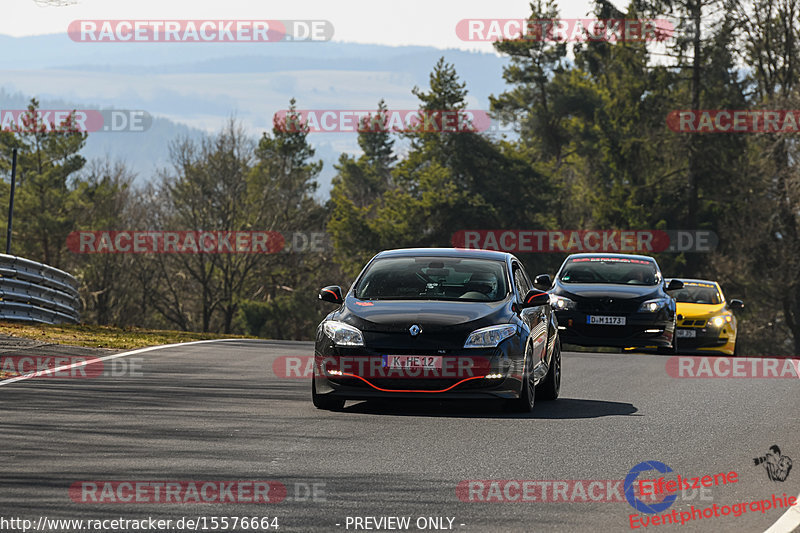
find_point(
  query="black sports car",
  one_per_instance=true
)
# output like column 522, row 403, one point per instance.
column 438, row 323
column 613, row 300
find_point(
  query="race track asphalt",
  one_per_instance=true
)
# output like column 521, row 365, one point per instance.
column 217, row 411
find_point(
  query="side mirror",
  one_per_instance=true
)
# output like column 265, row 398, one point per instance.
column 674, row 285
column 535, row 298
column 543, row 280
column 332, row 294
column 736, row 304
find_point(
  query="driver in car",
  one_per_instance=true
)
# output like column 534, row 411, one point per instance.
column 481, row 286
column 640, row 277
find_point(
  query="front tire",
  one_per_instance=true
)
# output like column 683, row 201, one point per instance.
column 324, row 402
column 527, row 396
column 669, row 350
column 550, row 387
column 673, row 349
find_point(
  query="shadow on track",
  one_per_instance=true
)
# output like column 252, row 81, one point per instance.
column 563, row 408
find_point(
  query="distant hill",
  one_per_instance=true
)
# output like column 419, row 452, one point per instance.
column 194, row 87
column 143, row 153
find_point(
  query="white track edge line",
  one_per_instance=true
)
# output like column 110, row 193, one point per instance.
column 92, row 360
column 788, row 521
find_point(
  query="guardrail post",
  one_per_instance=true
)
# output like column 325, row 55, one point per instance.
column 11, row 200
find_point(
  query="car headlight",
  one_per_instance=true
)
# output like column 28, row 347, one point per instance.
column 343, row 334
column 653, row 306
column 560, row 303
column 719, row 321
column 490, row 337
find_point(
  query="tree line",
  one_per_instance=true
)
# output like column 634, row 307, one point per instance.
column 592, row 150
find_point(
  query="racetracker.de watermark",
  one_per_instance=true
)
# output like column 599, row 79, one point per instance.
column 199, row 31
column 74, row 120
column 392, row 120
column 704, row 367
column 68, row 366
column 559, row 491
column 576, row 241
column 190, row 491
column 384, row 367
column 734, row 121
column 197, row 242
column 565, row 30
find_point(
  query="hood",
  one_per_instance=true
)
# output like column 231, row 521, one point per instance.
column 689, row 310
column 608, row 290
column 389, row 316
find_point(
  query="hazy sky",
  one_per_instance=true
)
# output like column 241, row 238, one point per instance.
column 364, row 21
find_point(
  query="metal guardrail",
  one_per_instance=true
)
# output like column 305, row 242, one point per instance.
column 37, row 292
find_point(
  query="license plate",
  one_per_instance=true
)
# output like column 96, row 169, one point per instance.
column 413, row 361
column 606, row 320
column 687, row 333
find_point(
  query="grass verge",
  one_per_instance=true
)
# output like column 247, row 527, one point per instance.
column 104, row 336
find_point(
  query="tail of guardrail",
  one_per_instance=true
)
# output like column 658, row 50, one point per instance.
column 36, row 292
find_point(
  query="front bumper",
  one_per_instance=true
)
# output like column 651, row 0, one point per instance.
column 708, row 339
column 345, row 391
column 358, row 373
column 640, row 330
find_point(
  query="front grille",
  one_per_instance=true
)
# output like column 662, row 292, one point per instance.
column 606, row 332
column 688, row 343
column 693, row 323
column 427, row 343
column 608, row 305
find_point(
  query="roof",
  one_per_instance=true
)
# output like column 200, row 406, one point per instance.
column 619, row 256
column 446, row 252
column 692, row 280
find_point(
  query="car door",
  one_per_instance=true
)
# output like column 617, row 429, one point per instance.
column 536, row 321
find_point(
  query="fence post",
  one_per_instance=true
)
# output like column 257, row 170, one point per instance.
column 11, row 200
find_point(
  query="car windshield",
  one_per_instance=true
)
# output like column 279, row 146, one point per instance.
column 610, row 270
column 433, row 278
column 695, row 293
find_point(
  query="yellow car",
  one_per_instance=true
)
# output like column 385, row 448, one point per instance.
column 705, row 320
